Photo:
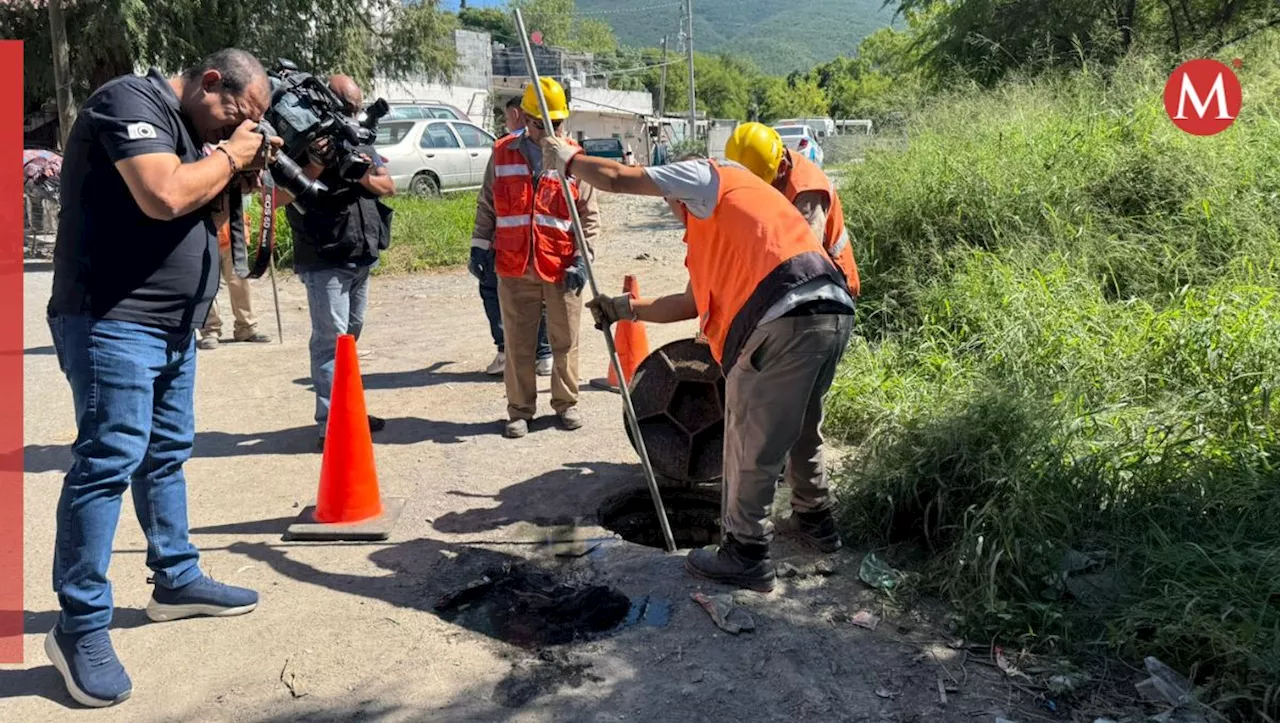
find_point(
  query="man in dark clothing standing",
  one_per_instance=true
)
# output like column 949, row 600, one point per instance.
column 135, row 269
column 337, row 239
column 482, row 267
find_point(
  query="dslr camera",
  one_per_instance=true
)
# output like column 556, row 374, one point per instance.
column 303, row 111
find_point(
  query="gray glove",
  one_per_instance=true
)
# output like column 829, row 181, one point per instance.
column 608, row 310
column 575, row 277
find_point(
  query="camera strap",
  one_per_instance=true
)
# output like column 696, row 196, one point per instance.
column 266, row 235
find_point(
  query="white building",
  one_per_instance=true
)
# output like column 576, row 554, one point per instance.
column 605, row 113
column 470, row 89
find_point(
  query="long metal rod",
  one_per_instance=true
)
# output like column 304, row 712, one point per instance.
column 595, row 293
column 693, row 92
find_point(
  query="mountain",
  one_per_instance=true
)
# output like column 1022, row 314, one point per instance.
column 779, row 35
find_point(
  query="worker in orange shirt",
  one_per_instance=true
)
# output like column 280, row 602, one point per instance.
column 761, row 150
column 777, row 314
column 246, row 328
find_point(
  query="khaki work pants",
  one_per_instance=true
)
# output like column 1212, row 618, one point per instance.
column 773, row 420
column 241, row 308
column 522, row 299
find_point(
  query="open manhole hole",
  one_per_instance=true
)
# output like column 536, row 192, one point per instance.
column 532, row 608
column 694, row 515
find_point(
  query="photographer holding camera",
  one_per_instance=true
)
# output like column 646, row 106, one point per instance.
column 338, row 234
column 135, row 269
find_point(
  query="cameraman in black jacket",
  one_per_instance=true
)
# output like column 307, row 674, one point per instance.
column 337, row 239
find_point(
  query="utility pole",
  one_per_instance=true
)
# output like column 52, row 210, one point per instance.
column 61, row 72
column 693, row 95
column 662, row 86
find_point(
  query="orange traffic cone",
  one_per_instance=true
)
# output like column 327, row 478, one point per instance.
column 348, row 505
column 631, row 341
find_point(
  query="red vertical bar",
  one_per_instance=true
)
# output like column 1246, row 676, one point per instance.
column 11, row 240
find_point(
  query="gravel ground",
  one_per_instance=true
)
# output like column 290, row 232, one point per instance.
column 350, row 632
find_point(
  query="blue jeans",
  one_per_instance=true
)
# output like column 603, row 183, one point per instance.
column 337, row 299
column 493, row 310
column 134, row 392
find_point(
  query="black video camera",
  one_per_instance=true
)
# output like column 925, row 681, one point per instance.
column 305, row 110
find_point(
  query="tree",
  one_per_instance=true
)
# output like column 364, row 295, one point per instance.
column 984, row 40
column 107, row 38
column 498, row 23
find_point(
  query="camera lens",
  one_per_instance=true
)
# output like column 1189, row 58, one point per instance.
column 289, row 176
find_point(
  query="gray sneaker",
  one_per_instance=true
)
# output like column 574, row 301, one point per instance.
column 209, row 343
column 516, row 429
column 570, row 419
column 543, row 367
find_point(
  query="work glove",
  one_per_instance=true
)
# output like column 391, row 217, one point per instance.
column 557, row 154
column 575, row 277
column 607, row 310
column 481, row 261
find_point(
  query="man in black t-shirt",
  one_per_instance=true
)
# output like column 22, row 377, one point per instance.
column 135, row 268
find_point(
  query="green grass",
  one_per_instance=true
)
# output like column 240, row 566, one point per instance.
column 1071, row 341
column 425, row 233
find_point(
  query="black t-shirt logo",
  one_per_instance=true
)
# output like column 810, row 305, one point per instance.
column 140, row 131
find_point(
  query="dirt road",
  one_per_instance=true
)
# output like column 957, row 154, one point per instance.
column 350, row 631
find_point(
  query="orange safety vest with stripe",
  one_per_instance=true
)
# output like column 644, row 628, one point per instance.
column 806, row 176
column 224, row 233
column 753, row 249
column 528, row 217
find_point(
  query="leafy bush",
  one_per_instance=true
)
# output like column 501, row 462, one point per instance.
column 1064, row 391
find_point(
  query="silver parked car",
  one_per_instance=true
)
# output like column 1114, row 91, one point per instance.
column 428, row 157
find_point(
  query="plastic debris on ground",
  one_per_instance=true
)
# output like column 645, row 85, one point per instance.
column 1165, row 685
column 864, row 619
column 726, row 614
column 1006, row 665
column 879, row 574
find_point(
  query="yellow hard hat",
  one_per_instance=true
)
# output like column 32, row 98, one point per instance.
column 758, row 147
column 557, row 105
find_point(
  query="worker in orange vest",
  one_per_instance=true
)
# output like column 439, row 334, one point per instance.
column 777, row 314
column 522, row 216
column 246, row 328
column 761, row 150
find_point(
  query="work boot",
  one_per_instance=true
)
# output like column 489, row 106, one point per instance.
column 734, row 563
column 516, row 429
column 208, row 343
column 89, row 667
column 543, row 367
column 497, row 366
column 205, row 596
column 570, row 418
column 254, row 337
column 816, row 529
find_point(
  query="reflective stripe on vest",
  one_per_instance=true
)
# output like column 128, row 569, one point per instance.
column 533, row 224
column 510, row 169
column 753, row 249
column 806, row 176
column 562, row 224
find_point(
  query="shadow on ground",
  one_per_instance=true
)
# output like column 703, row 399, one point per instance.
column 39, row 458
column 559, row 497
column 429, row 377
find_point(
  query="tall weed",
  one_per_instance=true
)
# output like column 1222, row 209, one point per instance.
column 1071, row 340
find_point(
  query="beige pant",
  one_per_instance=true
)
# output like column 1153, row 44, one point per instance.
column 773, row 420
column 522, row 300
column 241, row 308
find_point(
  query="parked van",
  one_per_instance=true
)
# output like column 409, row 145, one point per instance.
column 822, row 127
